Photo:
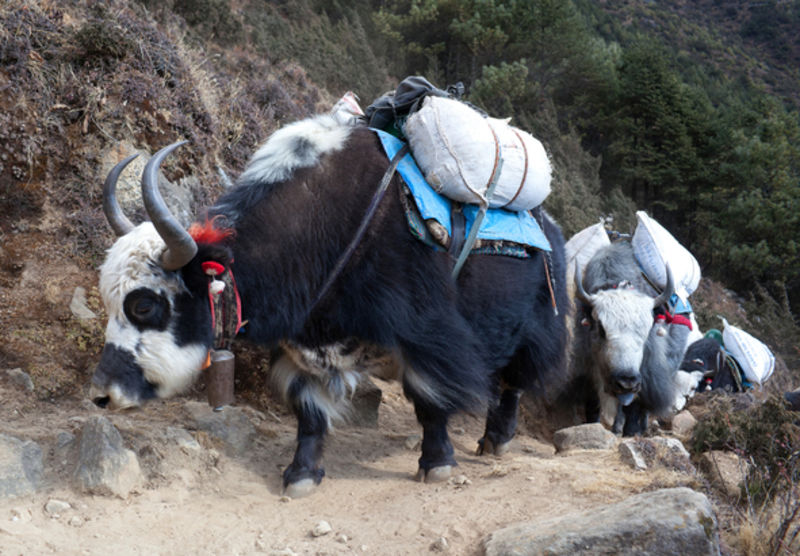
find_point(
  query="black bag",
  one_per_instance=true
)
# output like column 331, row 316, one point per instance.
column 389, row 111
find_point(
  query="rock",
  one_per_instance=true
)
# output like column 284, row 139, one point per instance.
column 365, row 404
column 183, row 439
column 55, row 507
column 683, row 424
column 231, row 426
column 321, row 528
column 726, row 471
column 589, row 436
column 630, row 454
column 21, row 467
column 663, row 522
column 178, row 197
column 20, row 379
column 78, row 306
column 672, row 445
column 105, row 466
column 793, row 399
column 413, row 442
column 440, row 545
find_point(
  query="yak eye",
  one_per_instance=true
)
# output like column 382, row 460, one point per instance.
column 143, row 308
column 146, row 309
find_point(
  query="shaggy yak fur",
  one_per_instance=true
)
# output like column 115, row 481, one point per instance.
column 624, row 363
column 471, row 344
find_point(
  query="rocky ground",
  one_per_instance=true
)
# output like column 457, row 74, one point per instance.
column 179, row 478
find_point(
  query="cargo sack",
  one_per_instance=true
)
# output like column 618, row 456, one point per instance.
column 754, row 357
column 582, row 246
column 654, row 246
column 461, row 152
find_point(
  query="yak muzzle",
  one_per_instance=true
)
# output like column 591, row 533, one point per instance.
column 625, row 382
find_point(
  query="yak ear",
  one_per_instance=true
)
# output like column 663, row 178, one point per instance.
column 193, row 273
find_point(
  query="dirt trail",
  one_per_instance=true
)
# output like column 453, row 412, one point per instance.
column 200, row 501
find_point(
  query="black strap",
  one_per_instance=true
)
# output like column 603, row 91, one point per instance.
column 371, row 210
column 458, row 225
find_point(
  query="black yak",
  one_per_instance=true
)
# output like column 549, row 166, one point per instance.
column 474, row 343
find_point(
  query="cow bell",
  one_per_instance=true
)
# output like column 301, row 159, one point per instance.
column 219, row 379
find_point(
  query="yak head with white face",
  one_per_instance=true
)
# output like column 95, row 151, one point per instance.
column 620, row 320
column 158, row 335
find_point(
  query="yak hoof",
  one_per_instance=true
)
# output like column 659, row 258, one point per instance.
column 486, row 446
column 435, row 474
column 301, row 488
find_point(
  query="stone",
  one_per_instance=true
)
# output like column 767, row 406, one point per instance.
column 79, row 307
column 589, row 436
column 683, row 424
column 631, row 454
column 55, row 507
column 21, row 467
column 413, row 442
column 440, row 545
column 231, row 426
column 672, row 445
column 20, row 379
column 183, row 439
column 664, row 522
column 726, row 471
column 177, row 196
column 105, row 467
column 321, row 528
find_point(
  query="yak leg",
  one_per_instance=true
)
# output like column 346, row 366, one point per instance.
column 306, row 471
column 635, row 419
column 501, row 423
column 436, row 462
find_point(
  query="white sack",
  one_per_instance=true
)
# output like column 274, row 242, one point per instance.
column 755, row 358
column 456, row 150
column 582, row 246
column 654, row 246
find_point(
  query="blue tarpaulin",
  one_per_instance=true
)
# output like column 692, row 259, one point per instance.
column 498, row 224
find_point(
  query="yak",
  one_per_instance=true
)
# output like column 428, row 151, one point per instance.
column 627, row 349
column 474, row 343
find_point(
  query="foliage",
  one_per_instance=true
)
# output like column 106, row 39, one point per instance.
column 767, row 438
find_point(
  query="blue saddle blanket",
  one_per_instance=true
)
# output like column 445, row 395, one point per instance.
column 498, row 224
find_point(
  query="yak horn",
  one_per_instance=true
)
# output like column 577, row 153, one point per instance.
column 669, row 289
column 579, row 291
column 118, row 221
column 180, row 245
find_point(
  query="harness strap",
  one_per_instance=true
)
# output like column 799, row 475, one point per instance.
column 226, row 312
column 371, row 210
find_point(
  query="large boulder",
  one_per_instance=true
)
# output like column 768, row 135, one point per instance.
column 664, row 522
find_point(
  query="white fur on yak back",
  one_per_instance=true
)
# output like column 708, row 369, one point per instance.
column 298, row 145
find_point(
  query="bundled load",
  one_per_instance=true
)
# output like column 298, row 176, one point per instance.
column 463, row 154
column 654, row 247
column 754, row 357
column 582, row 246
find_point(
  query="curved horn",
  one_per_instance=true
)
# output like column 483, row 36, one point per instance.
column 118, row 221
column 669, row 289
column 579, row 291
column 180, row 245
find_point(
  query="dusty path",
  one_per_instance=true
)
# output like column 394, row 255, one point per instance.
column 201, row 501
